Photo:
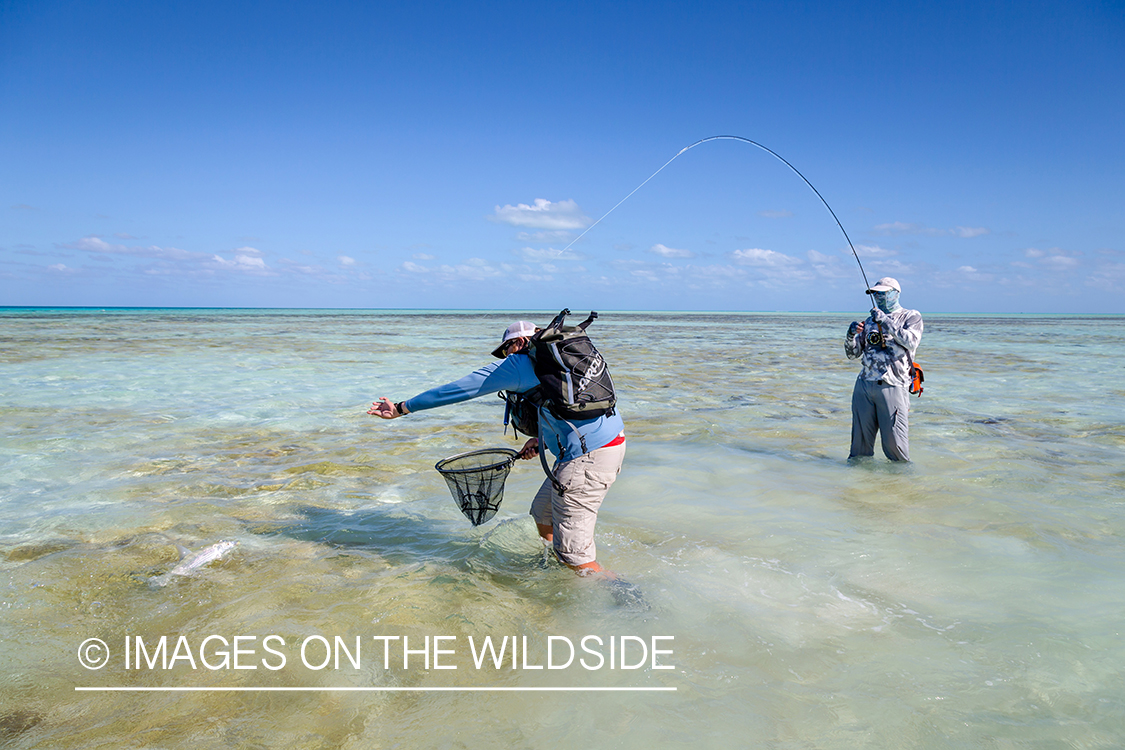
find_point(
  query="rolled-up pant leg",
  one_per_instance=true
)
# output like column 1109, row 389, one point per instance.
column 573, row 514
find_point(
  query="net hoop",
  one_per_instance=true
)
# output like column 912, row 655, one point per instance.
column 476, row 480
column 508, row 453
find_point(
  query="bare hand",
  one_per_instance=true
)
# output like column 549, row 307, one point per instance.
column 530, row 449
column 383, row 408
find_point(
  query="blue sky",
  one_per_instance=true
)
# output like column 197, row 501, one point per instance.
column 443, row 155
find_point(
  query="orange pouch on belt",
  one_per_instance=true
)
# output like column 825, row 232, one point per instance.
column 916, row 380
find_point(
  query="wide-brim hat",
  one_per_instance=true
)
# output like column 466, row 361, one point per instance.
column 521, row 328
column 885, row 284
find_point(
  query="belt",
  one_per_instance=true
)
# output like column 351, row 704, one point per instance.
column 616, row 441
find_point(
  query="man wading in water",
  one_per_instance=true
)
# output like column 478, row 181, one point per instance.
column 885, row 344
column 589, row 451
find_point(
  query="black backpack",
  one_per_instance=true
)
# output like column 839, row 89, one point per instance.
column 574, row 382
column 568, row 357
column 521, row 410
column 574, row 377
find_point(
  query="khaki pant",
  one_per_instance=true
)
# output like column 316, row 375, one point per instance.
column 572, row 515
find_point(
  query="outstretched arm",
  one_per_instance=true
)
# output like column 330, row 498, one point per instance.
column 512, row 374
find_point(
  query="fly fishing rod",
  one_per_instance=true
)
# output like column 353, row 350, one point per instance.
column 752, row 143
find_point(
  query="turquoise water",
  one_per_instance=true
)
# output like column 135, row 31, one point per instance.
column 971, row 599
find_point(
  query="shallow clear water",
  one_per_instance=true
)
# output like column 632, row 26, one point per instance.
column 971, row 599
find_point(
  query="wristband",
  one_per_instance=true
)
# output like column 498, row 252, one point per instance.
column 398, row 408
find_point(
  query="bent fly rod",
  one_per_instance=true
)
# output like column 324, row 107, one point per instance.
column 752, row 143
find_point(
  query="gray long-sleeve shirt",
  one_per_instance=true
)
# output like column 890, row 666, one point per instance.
column 890, row 363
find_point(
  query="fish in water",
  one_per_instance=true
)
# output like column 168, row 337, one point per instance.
column 190, row 561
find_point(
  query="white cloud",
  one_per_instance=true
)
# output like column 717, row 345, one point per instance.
column 891, row 268
column 829, row 266
column 670, row 252
column 472, row 269
column 1054, row 259
column 1109, row 277
column 970, row 273
column 900, row 227
column 715, row 275
column 544, row 214
column 1060, row 262
column 422, row 256
column 558, row 235
column 756, row 267
column 98, row 245
column 774, row 269
column 896, row 228
column 308, row 270
column 243, row 261
column 768, row 258
column 872, row 251
column 546, row 254
column 94, row 244
column 175, row 261
column 60, row 267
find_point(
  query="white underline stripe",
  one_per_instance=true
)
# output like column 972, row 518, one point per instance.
column 110, row 688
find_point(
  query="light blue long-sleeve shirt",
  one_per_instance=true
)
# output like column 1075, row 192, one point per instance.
column 517, row 375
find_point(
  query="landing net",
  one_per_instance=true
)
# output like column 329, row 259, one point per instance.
column 476, row 480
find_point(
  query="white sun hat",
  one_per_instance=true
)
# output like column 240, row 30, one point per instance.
column 885, row 284
column 521, row 328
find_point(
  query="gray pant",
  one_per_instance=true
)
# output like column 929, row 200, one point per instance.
column 884, row 409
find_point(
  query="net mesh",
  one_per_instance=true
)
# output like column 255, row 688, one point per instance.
column 476, row 480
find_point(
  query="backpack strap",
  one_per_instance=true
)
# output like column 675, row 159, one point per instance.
column 559, row 319
column 543, row 460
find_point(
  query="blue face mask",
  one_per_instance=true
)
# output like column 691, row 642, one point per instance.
column 886, row 301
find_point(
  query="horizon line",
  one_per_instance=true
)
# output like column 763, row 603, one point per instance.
column 184, row 689
column 106, row 308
